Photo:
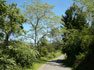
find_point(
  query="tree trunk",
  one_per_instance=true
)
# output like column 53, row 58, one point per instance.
column 35, row 37
column 7, row 39
column 36, row 32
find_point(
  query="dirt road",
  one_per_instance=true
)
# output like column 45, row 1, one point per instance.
column 55, row 64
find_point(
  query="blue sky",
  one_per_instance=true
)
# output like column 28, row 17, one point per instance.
column 60, row 6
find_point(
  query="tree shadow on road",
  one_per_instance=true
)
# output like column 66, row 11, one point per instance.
column 63, row 63
column 57, row 61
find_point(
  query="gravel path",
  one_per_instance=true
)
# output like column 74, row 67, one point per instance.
column 55, row 64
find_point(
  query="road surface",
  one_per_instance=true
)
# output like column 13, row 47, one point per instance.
column 55, row 64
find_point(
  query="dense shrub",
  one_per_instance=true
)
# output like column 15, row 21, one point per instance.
column 7, row 63
column 79, row 47
column 50, row 49
column 23, row 54
column 73, row 43
column 18, row 55
column 43, row 51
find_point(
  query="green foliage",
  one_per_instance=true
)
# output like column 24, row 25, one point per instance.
column 76, row 35
column 74, row 18
column 41, row 18
column 89, row 9
column 79, row 47
column 43, row 51
column 72, row 46
column 43, row 41
column 2, row 7
column 11, row 21
column 17, row 56
column 23, row 54
column 49, row 49
column 7, row 63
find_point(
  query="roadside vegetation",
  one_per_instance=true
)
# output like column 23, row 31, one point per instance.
column 78, row 37
column 48, row 35
column 16, row 53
